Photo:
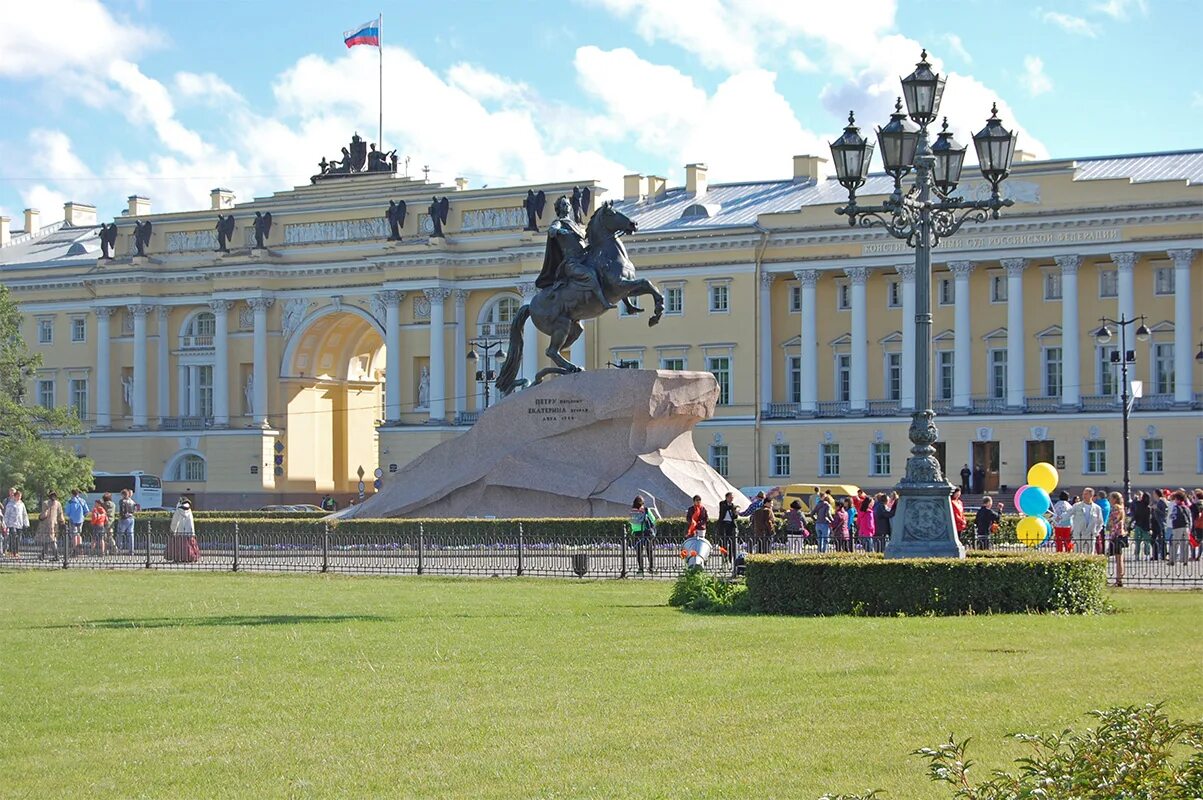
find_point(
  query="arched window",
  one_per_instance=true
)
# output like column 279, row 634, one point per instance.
column 199, row 331
column 496, row 319
column 189, row 468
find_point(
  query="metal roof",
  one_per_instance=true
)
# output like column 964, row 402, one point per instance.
column 52, row 245
column 1186, row 165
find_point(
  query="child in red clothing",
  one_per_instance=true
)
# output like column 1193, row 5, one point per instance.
column 100, row 520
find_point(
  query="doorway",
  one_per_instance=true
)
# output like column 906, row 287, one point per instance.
column 1039, row 451
column 986, row 456
column 942, row 456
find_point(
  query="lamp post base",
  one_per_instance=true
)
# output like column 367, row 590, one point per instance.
column 923, row 526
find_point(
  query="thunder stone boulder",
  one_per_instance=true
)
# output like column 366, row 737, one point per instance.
column 579, row 445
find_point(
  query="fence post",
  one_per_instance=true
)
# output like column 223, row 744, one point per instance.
column 421, row 547
column 520, row 537
column 623, row 568
column 148, row 544
column 67, row 540
column 325, row 547
column 235, row 545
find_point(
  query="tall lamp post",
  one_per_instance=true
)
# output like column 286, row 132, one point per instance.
column 1123, row 357
column 486, row 376
column 927, row 213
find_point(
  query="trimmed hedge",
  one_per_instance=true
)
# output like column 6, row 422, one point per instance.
column 870, row 585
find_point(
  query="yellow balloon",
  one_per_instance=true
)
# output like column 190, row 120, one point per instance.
column 1043, row 475
column 1030, row 531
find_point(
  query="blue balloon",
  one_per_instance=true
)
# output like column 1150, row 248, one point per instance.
column 1049, row 527
column 1034, row 501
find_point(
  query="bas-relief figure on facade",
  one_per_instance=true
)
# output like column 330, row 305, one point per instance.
column 438, row 210
column 108, row 238
column 292, row 314
column 585, row 274
column 396, row 219
column 127, row 391
column 248, row 393
column 343, row 230
column 492, row 219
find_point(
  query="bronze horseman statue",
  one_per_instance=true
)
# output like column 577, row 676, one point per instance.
column 585, row 274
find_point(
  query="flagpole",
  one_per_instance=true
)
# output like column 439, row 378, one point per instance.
column 380, row 106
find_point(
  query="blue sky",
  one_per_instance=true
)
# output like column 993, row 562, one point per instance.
column 170, row 99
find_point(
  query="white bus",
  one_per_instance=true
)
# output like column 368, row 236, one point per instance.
column 147, row 489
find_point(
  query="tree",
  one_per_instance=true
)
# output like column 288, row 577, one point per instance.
column 33, row 453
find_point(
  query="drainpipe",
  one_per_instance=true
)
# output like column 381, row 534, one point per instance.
column 758, row 311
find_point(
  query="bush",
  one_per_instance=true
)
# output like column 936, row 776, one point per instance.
column 1135, row 753
column 698, row 590
column 869, row 585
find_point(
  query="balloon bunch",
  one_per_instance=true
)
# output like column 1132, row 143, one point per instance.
column 1033, row 499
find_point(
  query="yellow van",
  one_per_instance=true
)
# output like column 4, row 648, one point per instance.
column 804, row 492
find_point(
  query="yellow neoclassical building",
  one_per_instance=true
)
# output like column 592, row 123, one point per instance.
column 278, row 373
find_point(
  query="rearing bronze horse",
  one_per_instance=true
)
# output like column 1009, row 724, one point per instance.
column 559, row 309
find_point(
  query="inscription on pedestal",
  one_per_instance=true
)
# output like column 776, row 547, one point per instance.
column 559, row 409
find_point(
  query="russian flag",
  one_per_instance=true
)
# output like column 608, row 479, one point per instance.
column 367, row 33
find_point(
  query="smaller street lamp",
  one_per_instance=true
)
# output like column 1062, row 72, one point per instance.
column 486, row 375
column 1123, row 357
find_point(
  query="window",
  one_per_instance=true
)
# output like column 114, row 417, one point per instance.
column 944, row 362
column 1052, row 286
column 829, row 459
column 1096, row 457
column 893, row 376
column 795, row 299
column 495, row 324
column 843, row 377
column 78, row 388
column 998, row 374
column 894, row 294
column 1152, row 456
column 718, row 459
column 1108, row 283
column 1163, row 280
column 79, row 329
column 46, row 393
column 200, row 330
column 720, row 368
column 998, row 288
column 205, row 390
column 190, row 468
column 674, row 300
column 947, row 297
column 843, row 295
column 676, row 363
column 1108, row 380
column 879, row 458
column 794, row 369
column 780, row 466
column 720, row 298
column 1163, row 368
column 45, row 331
column 1052, row 372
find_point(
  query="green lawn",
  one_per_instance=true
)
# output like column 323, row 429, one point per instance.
column 119, row 685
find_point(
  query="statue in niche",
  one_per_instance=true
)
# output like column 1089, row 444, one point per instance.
column 438, row 214
column 248, row 393
column 225, row 232
column 534, row 204
column 108, row 238
column 127, row 390
column 263, row 228
column 424, row 387
column 141, row 237
column 396, row 219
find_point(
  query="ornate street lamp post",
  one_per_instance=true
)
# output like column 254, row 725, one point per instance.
column 486, row 376
column 1124, row 357
column 927, row 213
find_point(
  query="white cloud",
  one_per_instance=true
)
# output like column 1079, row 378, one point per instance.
column 1120, row 9
column 1034, row 79
column 206, row 87
column 76, row 37
column 149, row 102
column 958, row 47
column 484, row 85
column 802, row 62
column 1071, row 24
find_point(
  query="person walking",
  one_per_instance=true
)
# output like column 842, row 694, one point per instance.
column 866, row 525
column 728, row 512
column 76, row 512
column 126, row 508
column 966, row 474
column 795, row 527
column 16, row 520
column 1159, row 520
column 50, row 522
column 1117, row 538
column 100, row 522
column 110, row 513
column 182, row 547
column 958, row 513
column 884, row 507
column 1063, row 538
column 1180, row 523
column 696, row 518
column 985, row 523
column 1101, row 500
column 1196, row 525
column 1138, row 512
column 1086, row 519
column 823, row 510
column 643, row 529
column 764, row 525
column 839, row 527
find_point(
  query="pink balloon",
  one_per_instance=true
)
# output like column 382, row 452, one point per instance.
column 1018, row 492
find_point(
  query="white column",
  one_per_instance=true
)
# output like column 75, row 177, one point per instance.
column 1016, row 367
column 438, row 360
column 962, row 356
column 194, row 390
column 459, row 358
column 809, row 341
column 181, row 396
column 260, row 305
column 530, row 336
column 104, row 368
column 162, row 384
column 858, row 276
column 1071, row 334
column 138, row 406
column 391, row 299
column 766, row 338
column 1184, row 355
column 1125, row 283
column 578, row 354
column 221, row 362
column 907, row 271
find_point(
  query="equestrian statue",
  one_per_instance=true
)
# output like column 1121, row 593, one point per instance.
column 586, row 272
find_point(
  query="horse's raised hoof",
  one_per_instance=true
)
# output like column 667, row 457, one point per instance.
column 653, row 319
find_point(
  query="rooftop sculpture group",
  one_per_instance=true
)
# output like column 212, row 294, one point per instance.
column 357, row 158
